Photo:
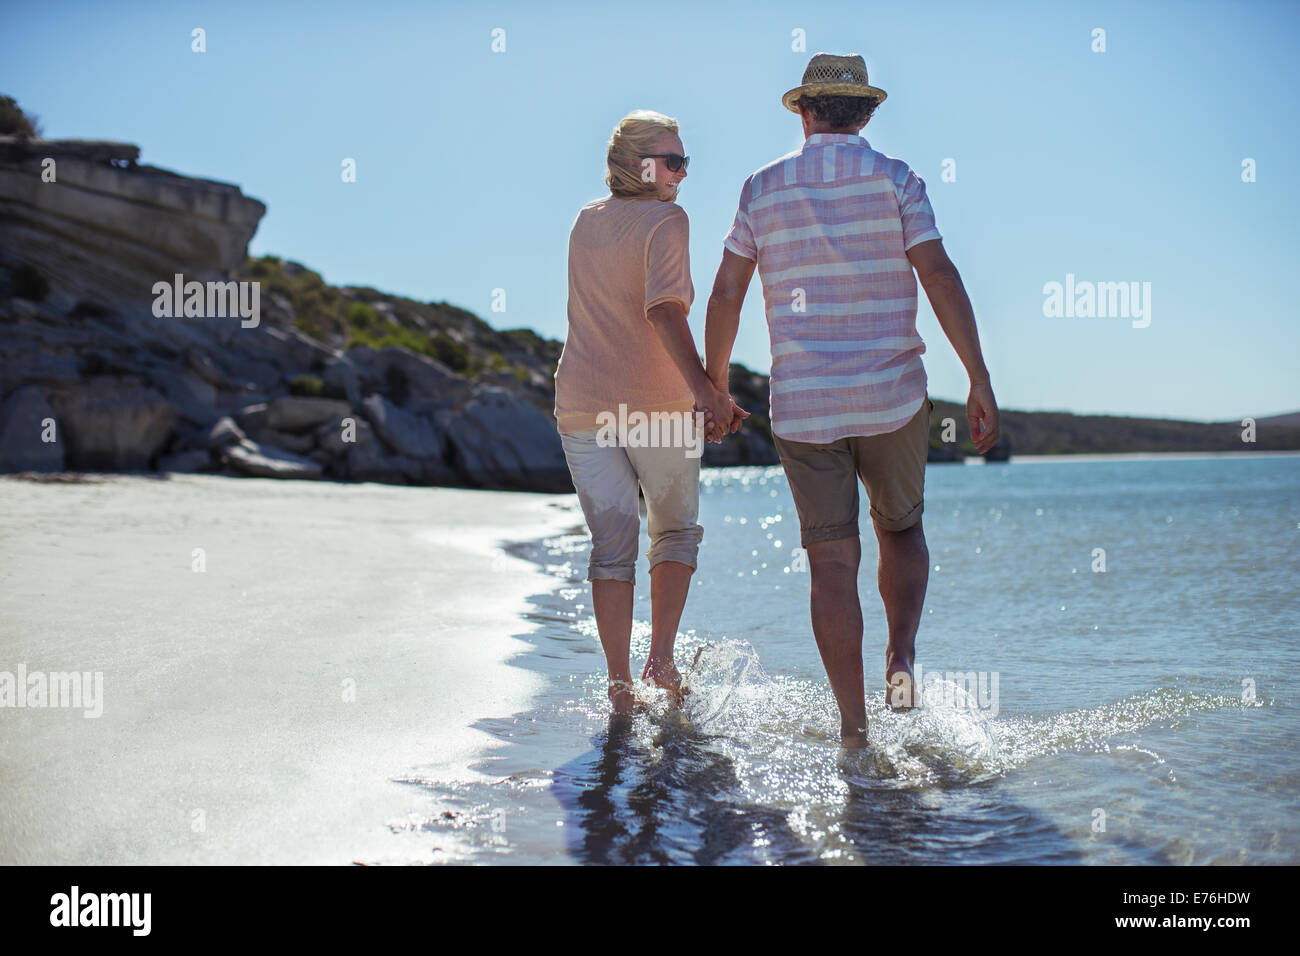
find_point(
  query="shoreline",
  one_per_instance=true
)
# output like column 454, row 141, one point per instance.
column 226, row 736
column 98, row 477
column 1149, row 456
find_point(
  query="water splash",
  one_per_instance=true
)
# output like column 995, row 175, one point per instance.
column 948, row 741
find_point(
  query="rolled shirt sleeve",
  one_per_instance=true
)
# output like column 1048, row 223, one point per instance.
column 740, row 239
column 916, row 213
column 668, row 263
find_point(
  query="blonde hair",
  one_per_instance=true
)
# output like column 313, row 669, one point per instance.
column 636, row 134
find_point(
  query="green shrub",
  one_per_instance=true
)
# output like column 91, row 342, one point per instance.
column 306, row 386
column 449, row 352
column 362, row 318
column 14, row 122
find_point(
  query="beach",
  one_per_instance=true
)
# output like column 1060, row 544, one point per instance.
column 397, row 675
column 227, row 735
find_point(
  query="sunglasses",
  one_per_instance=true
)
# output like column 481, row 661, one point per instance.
column 673, row 161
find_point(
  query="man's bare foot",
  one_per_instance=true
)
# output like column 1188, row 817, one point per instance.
column 663, row 674
column 900, row 684
column 855, row 739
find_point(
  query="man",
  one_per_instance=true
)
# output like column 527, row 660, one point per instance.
column 836, row 229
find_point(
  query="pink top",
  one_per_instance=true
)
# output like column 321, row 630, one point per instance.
column 829, row 226
column 625, row 257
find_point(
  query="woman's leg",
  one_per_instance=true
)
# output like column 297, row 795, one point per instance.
column 669, row 582
column 670, row 480
column 612, row 602
column 607, row 490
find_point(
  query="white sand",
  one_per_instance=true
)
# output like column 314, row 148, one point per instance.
column 224, row 690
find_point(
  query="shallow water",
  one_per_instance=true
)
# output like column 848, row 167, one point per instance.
column 1143, row 713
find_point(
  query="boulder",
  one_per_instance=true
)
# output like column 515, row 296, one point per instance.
column 500, row 441
column 338, row 437
column 253, row 417
column 290, row 350
column 24, row 415
column 406, row 377
column 195, row 399
column 294, row 413
column 224, row 432
column 406, row 434
column 254, row 373
column 746, row 447
column 374, row 462
column 341, row 374
column 112, row 424
column 290, row 441
column 206, row 369
column 265, row 461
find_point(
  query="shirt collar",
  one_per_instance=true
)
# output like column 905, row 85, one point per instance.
column 823, row 139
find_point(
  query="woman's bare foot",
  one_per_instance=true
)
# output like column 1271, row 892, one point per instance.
column 663, row 674
column 622, row 695
column 900, row 691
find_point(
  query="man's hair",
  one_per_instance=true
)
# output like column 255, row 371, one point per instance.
column 841, row 112
column 636, row 134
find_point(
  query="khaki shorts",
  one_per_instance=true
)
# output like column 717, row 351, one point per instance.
column 824, row 479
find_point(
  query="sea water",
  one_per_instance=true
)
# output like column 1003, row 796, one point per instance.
column 1113, row 642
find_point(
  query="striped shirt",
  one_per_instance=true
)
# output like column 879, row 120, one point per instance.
column 829, row 226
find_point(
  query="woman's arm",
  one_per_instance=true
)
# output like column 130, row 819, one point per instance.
column 669, row 321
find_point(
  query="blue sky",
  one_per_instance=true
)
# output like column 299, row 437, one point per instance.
column 1115, row 166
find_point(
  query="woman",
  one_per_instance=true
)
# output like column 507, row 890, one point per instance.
column 629, row 350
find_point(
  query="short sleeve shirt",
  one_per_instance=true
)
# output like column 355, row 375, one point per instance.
column 829, row 226
column 625, row 257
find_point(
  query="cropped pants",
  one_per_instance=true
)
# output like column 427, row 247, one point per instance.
column 607, row 480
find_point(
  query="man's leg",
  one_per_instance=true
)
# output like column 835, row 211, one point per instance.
column 892, row 466
column 837, row 626
column 824, row 484
column 904, row 574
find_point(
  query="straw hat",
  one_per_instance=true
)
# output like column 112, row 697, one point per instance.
column 831, row 75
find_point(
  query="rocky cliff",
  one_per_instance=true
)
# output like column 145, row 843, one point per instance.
column 94, row 375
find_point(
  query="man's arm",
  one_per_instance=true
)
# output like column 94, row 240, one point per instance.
column 947, row 294
column 669, row 321
column 721, row 323
column 723, row 318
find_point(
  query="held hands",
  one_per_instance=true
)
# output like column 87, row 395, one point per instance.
column 982, row 414
column 722, row 416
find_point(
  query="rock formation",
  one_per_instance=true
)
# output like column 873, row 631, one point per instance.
column 91, row 379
